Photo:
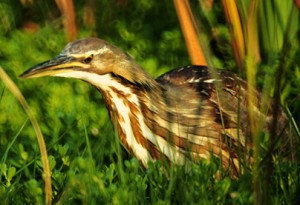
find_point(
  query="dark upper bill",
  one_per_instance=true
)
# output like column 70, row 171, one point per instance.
column 51, row 67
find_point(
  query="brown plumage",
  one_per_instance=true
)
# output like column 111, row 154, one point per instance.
column 183, row 116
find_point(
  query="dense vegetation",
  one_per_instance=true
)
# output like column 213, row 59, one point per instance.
column 88, row 165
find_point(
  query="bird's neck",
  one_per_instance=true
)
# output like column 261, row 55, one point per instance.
column 139, row 113
column 123, row 101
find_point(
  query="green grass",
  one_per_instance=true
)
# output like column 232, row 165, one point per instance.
column 88, row 165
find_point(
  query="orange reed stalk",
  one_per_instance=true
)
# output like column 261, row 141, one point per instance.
column 69, row 18
column 188, row 27
column 236, row 32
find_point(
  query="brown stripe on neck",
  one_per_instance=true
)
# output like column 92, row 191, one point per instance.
column 136, row 129
column 135, row 126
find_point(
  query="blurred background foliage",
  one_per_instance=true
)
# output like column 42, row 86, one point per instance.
column 87, row 163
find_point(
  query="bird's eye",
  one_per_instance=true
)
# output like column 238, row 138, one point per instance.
column 88, row 59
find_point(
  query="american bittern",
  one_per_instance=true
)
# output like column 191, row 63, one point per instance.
column 184, row 115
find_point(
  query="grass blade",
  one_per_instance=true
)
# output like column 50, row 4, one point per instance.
column 44, row 156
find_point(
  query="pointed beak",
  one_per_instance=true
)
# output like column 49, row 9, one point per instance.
column 57, row 65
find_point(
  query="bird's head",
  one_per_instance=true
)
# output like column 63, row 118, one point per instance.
column 87, row 59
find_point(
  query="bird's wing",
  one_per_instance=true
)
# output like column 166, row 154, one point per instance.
column 219, row 100
column 224, row 97
column 223, row 91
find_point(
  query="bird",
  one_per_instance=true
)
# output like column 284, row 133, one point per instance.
column 186, row 115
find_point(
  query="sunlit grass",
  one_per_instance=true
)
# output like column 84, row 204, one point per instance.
column 87, row 163
column 44, row 155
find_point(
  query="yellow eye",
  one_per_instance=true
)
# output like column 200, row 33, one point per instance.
column 88, row 59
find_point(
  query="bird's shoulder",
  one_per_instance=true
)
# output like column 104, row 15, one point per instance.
column 201, row 78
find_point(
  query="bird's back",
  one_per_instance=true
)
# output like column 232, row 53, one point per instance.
column 213, row 109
